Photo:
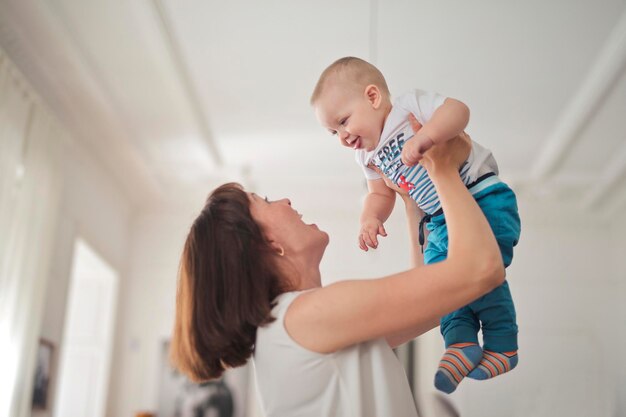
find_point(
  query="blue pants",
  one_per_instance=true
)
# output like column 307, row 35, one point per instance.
column 495, row 310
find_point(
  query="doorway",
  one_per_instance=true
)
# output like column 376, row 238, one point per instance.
column 88, row 332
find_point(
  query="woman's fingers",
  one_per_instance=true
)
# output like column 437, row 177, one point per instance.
column 453, row 152
column 415, row 125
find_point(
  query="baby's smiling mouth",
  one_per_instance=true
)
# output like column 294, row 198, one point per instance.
column 356, row 143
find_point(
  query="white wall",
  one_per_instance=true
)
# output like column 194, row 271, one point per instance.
column 569, row 294
column 146, row 311
column 92, row 208
column 619, row 276
column 565, row 279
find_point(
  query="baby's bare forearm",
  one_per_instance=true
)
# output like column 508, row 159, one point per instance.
column 448, row 121
column 378, row 206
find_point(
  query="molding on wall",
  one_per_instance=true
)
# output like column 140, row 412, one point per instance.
column 35, row 40
column 604, row 75
column 186, row 80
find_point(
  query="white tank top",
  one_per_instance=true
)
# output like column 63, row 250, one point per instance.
column 359, row 381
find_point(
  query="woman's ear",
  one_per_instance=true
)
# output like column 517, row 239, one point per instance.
column 373, row 95
column 278, row 248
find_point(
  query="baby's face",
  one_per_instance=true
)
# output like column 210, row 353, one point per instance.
column 356, row 118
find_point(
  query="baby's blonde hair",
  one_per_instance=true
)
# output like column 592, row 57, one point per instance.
column 350, row 70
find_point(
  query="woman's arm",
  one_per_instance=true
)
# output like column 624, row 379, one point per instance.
column 349, row 312
column 413, row 215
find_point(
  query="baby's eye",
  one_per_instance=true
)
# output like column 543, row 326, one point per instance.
column 333, row 132
column 343, row 121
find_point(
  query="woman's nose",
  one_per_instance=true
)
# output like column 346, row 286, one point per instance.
column 285, row 200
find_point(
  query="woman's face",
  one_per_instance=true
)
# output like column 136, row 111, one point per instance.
column 284, row 227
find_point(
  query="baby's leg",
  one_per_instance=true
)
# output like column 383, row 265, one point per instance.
column 462, row 350
column 495, row 310
column 497, row 315
column 463, row 353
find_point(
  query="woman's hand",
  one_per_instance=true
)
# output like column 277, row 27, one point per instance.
column 450, row 154
column 390, row 184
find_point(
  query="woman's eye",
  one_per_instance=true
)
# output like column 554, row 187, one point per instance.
column 266, row 200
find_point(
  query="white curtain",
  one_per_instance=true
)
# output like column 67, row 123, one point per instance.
column 30, row 189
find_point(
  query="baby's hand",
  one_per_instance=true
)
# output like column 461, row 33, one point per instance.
column 414, row 148
column 370, row 228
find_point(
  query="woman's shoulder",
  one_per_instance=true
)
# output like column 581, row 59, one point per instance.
column 293, row 307
column 284, row 300
column 277, row 332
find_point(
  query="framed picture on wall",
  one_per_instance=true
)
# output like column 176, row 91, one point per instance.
column 43, row 373
column 179, row 397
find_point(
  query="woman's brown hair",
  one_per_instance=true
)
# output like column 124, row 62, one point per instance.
column 226, row 286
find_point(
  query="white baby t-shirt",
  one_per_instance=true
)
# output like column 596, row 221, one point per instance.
column 397, row 131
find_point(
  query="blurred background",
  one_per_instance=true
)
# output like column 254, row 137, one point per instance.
column 117, row 118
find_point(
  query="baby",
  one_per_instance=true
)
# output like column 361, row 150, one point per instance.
column 352, row 100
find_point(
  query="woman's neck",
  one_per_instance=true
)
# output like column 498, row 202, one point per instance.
column 300, row 275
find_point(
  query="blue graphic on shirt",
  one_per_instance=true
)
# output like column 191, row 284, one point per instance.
column 413, row 179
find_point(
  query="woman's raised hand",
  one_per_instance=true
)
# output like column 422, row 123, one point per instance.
column 450, row 154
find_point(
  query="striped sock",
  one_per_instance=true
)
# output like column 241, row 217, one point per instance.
column 456, row 363
column 493, row 364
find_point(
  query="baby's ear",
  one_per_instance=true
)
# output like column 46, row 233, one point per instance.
column 372, row 94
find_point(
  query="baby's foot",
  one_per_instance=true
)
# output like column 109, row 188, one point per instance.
column 456, row 363
column 493, row 364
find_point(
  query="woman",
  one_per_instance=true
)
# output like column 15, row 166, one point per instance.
column 250, row 285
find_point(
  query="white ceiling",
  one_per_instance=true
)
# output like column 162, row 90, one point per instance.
column 176, row 95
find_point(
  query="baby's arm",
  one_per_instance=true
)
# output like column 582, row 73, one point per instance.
column 378, row 205
column 447, row 121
